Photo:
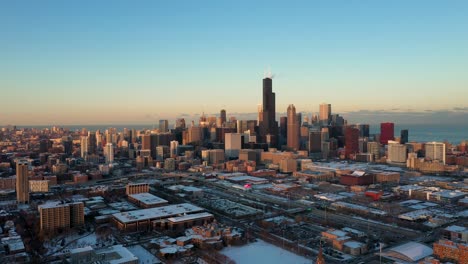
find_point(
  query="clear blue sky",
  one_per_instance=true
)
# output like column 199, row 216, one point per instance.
column 89, row 62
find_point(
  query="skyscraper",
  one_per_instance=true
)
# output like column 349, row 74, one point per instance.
column 233, row 144
column 92, row 143
column 222, row 116
column 173, row 150
column 396, row 152
column 315, row 141
column 387, row 132
column 109, row 153
column 84, row 146
column 283, row 129
column 22, row 181
column 293, row 128
column 325, row 113
column 351, row 141
column 268, row 124
column 404, row 136
column 163, row 126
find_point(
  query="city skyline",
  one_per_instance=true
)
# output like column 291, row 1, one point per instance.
column 69, row 64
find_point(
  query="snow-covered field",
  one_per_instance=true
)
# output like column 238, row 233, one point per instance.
column 262, row 252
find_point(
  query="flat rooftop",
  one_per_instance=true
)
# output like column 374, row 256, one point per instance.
column 189, row 217
column 157, row 213
column 148, row 198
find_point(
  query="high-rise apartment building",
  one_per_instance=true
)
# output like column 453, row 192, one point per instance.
column 435, row 151
column 387, row 132
column 109, row 153
column 22, row 181
column 325, row 113
column 374, row 149
column 293, row 128
column 58, row 215
column 396, row 152
column 84, row 146
column 268, row 124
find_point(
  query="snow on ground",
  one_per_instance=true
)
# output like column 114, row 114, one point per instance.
column 262, row 252
column 143, row 255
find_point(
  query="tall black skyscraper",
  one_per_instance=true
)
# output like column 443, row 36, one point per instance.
column 404, row 136
column 269, row 126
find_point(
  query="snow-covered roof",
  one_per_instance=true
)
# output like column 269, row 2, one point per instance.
column 455, row 228
column 125, row 256
column 148, row 198
column 189, row 217
column 353, row 244
column 157, row 213
column 410, row 252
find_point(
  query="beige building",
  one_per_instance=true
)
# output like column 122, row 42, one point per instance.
column 134, row 188
column 39, row 186
column 57, row 215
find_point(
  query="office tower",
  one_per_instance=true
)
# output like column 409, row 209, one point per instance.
column 325, row 114
column 233, row 144
column 84, row 146
column 387, row 132
column 67, row 145
column 174, row 145
column 325, row 134
column 162, row 152
column 303, row 137
column 222, row 116
column 268, row 124
column 396, row 152
column 163, row 126
column 180, row 123
column 22, row 181
column 363, row 130
column 146, row 142
column 363, row 144
column 374, row 149
column 283, row 130
column 351, row 141
column 404, row 136
column 109, row 153
column 293, row 128
column 194, row 134
column 315, row 141
column 299, row 119
column 337, row 120
column 92, row 143
column 435, row 151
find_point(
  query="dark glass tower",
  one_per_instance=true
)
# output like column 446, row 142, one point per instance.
column 404, row 136
column 269, row 126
